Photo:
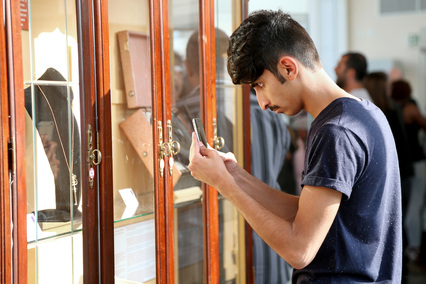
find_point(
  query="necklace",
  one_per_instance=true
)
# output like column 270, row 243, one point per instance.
column 74, row 181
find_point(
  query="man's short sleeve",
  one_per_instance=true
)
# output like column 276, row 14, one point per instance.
column 335, row 159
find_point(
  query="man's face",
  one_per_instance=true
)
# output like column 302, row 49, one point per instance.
column 341, row 71
column 276, row 96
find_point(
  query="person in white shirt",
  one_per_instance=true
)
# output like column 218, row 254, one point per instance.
column 350, row 72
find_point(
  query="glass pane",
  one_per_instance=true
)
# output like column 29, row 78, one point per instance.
column 52, row 125
column 131, row 110
column 230, row 244
column 231, row 225
column 54, row 267
column 184, row 50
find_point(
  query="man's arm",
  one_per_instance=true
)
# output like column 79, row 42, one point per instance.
column 295, row 230
column 281, row 204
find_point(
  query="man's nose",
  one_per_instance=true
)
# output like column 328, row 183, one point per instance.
column 261, row 99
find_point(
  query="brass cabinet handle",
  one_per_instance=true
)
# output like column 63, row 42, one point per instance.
column 174, row 146
column 98, row 157
column 161, row 148
column 94, row 156
column 168, row 148
column 218, row 142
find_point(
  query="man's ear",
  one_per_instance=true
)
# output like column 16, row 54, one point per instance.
column 288, row 67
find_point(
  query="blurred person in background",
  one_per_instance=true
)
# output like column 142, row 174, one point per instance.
column 414, row 121
column 350, row 72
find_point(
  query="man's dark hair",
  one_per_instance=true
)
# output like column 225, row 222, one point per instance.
column 259, row 42
column 358, row 62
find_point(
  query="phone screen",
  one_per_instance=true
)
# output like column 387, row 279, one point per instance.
column 199, row 130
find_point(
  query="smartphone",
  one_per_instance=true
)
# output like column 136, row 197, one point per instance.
column 197, row 123
column 45, row 128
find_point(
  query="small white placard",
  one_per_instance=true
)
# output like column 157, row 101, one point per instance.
column 130, row 201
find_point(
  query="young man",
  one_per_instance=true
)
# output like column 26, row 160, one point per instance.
column 350, row 72
column 346, row 225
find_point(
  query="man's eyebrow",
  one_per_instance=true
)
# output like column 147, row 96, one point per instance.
column 253, row 85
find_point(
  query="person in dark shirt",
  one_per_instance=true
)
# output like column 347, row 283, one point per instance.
column 346, row 225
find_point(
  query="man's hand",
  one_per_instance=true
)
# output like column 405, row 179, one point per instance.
column 210, row 166
column 231, row 163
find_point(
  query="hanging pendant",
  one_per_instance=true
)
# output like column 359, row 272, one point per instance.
column 74, row 187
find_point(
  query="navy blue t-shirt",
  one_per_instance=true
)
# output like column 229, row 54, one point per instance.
column 350, row 148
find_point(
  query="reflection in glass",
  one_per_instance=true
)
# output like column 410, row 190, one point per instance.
column 184, row 51
column 231, row 236
column 52, row 136
column 132, row 141
column 58, row 135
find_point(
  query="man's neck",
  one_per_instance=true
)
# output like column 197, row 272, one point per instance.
column 321, row 93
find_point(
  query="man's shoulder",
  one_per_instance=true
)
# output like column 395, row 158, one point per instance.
column 361, row 93
column 351, row 116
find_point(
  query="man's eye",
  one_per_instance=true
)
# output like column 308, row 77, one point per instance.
column 254, row 85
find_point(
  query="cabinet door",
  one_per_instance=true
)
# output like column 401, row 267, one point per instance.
column 166, row 224
column 201, row 88
column 229, row 126
column 52, row 108
column 186, row 103
column 133, row 144
column 6, row 165
column 142, row 144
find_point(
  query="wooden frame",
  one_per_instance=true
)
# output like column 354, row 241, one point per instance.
column 106, row 229
column 16, row 123
column 164, row 225
column 87, row 89
column 247, row 161
column 208, row 108
column 97, row 233
column 247, row 164
column 6, row 218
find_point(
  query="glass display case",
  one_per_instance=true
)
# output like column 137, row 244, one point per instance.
column 109, row 90
column 230, row 126
column 132, row 141
column 52, row 139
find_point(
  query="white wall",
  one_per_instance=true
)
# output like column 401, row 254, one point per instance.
column 324, row 20
column 386, row 37
column 291, row 6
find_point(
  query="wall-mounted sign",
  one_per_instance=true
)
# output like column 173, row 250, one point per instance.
column 24, row 14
